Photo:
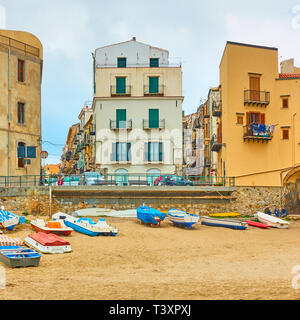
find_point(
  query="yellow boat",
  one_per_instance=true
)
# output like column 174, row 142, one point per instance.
column 225, row 215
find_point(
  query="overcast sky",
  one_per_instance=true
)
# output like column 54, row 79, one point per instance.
column 195, row 31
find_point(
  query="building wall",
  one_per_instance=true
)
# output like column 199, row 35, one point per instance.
column 256, row 163
column 28, row 92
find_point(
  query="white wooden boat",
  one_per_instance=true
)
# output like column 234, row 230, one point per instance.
column 226, row 223
column 272, row 221
column 56, row 227
column 182, row 218
column 47, row 243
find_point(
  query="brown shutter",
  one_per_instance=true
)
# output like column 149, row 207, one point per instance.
column 262, row 118
column 248, row 118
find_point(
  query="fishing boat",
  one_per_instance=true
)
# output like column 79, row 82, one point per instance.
column 181, row 218
column 272, row 221
column 8, row 220
column 16, row 256
column 56, row 227
column 150, row 215
column 257, row 224
column 47, row 243
column 225, row 215
column 226, row 223
column 86, row 225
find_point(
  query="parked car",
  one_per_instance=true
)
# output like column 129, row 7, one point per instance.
column 91, row 178
column 171, row 180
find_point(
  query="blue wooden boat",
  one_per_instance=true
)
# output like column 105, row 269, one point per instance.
column 182, row 218
column 16, row 256
column 226, row 223
column 150, row 215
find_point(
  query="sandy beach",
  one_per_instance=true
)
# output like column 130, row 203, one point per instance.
column 143, row 262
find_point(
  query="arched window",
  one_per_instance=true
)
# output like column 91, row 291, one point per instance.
column 152, row 174
column 121, row 176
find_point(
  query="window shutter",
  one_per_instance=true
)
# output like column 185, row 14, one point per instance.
column 121, row 118
column 161, row 152
column 153, row 118
column 114, row 152
column 248, row 119
column 262, row 118
column 121, row 85
column 128, row 151
column 153, row 85
column 146, row 152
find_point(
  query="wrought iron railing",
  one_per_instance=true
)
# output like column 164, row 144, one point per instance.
column 254, row 96
column 259, row 131
column 118, row 91
column 148, row 125
column 149, row 91
column 116, row 125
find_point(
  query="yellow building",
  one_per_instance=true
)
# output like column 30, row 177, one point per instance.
column 257, row 135
column 21, row 60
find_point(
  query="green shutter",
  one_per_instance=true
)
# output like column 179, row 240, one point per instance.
column 128, row 151
column 154, row 62
column 161, row 152
column 121, row 62
column 121, row 118
column 153, row 118
column 153, row 85
column 121, row 85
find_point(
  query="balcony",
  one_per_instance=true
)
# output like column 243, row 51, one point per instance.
column 256, row 97
column 120, row 92
column 258, row 132
column 216, row 143
column 156, row 91
column 149, row 126
column 217, row 108
column 117, row 125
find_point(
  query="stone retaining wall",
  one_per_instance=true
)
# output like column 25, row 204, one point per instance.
column 246, row 200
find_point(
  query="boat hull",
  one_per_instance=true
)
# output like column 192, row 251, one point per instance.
column 81, row 229
column 272, row 221
column 258, row 225
column 150, row 215
column 46, row 249
column 214, row 222
column 51, row 230
column 16, row 256
column 182, row 219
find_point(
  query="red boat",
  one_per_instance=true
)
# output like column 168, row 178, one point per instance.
column 257, row 224
column 56, row 227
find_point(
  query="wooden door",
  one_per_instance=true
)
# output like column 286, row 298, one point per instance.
column 254, row 88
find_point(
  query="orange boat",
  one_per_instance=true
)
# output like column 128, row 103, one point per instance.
column 56, row 227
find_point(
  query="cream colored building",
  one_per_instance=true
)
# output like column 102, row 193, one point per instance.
column 21, row 61
column 137, row 109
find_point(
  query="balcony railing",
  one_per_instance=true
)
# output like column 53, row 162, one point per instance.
column 258, row 132
column 217, row 108
column 256, row 97
column 117, row 125
column 216, row 143
column 123, row 92
column 154, row 91
column 147, row 125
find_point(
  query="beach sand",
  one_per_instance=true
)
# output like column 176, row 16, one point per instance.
column 144, row 262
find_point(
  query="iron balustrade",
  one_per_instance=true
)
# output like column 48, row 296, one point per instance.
column 161, row 124
column 116, row 125
column 258, row 131
column 257, row 97
column 115, row 91
column 152, row 92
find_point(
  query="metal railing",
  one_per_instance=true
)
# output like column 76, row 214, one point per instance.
column 161, row 124
column 20, row 45
column 95, row 179
column 254, row 96
column 154, row 91
column 116, row 125
column 115, row 91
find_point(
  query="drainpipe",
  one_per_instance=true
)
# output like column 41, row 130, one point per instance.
column 8, row 118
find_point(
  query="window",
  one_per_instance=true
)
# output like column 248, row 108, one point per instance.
column 154, row 62
column 239, row 120
column 285, row 134
column 21, row 113
column 153, row 85
column 254, row 82
column 121, row 151
column 121, row 118
column 153, row 118
column 153, row 151
column 121, row 85
column 285, row 103
column 21, row 77
column 21, row 155
column 255, row 117
column 122, row 63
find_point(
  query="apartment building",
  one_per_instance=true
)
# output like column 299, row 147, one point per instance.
column 257, row 136
column 137, row 110
column 21, row 61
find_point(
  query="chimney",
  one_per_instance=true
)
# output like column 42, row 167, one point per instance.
column 133, row 38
